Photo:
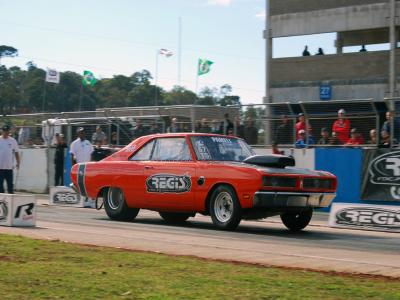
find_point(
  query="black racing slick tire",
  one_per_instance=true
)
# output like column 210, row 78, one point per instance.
column 296, row 221
column 225, row 209
column 174, row 217
column 116, row 207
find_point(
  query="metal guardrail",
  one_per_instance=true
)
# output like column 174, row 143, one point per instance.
column 260, row 124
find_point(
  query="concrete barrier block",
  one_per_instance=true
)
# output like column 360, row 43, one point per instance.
column 17, row 210
column 66, row 196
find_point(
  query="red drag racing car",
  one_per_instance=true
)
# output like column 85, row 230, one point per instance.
column 182, row 174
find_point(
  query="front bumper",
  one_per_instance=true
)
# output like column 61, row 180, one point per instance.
column 288, row 199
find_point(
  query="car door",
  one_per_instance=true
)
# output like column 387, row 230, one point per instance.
column 170, row 175
column 135, row 182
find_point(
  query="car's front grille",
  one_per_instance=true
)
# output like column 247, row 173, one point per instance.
column 317, row 183
column 277, row 181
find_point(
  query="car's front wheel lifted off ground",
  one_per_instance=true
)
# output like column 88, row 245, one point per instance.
column 116, row 207
column 296, row 221
column 225, row 209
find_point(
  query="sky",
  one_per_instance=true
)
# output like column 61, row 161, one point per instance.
column 124, row 36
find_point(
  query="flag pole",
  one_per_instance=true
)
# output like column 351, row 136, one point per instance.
column 156, row 80
column 44, row 95
column 179, row 50
column 197, row 83
column 80, row 96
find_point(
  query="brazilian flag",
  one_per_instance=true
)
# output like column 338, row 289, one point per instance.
column 88, row 78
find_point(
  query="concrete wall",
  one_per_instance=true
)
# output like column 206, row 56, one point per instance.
column 364, row 37
column 348, row 66
column 294, row 94
column 32, row 175
column 279, row 7
column 331, row 20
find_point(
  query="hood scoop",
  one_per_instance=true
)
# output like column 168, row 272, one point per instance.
column 271, row 161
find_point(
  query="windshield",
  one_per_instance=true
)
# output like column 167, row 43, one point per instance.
column 221, row 148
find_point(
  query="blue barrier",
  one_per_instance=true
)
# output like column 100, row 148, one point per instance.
column 346, row 164
column 67, row 166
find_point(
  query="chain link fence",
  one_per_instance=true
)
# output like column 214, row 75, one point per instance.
column 262, row 124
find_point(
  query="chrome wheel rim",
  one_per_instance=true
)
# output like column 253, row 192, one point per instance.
column 223, row 207
column 114, row 198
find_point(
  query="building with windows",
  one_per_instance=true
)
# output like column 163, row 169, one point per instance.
column 358, row 75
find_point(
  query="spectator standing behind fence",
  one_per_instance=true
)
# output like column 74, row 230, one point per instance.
column 239, row 127
column 24, row 134
column 386, row 125
column 226, row 125
column 203, row 126
column 154, row 128
column 303, row 141
column 333, row 140
column 355, row 139
column 99, row 153
column 114, row 139
column 324, row 140
column 342, row 126
column 139, row 130
column 372, row 137
column 250, row 132
column 300, row 125
column 385, row 140
column 8, row 149
column 320, row 52
column 174, row 127
column 215, row 126
column 283, row 133
column 81, row 149
column 98, row 135
column 59, row 156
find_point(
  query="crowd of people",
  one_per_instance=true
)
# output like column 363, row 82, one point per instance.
column 341, row 133
column 82, row 149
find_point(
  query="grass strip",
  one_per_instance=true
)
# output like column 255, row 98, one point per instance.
column 37, row 269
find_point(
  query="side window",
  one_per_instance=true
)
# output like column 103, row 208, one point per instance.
column 171, row 149
column 144, row 153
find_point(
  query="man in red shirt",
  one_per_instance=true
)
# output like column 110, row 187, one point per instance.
column 355, row 138
column 300, row 125
column 342, row 126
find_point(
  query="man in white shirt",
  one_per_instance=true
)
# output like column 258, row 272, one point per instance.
column 8, row 149
column 81, row 149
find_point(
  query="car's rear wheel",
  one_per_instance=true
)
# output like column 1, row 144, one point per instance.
column 174, row 217
column 296, row 221
column 116, row 207
column 225, row 209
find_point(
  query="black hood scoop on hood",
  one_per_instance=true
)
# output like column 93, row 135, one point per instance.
column 272, row 161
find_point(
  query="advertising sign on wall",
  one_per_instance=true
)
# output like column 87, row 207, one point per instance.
column 381, row 175
column 365, row 216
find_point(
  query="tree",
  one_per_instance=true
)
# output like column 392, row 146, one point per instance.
column 179, row 96
column 225, row 98
column 208, row 96
column 7, row 51
column 141, row 78
column 142, row 95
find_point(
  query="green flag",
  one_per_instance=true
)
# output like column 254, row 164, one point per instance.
column 204, row 66
column 88, row 78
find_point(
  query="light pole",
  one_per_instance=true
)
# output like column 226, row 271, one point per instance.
column 156, row 80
